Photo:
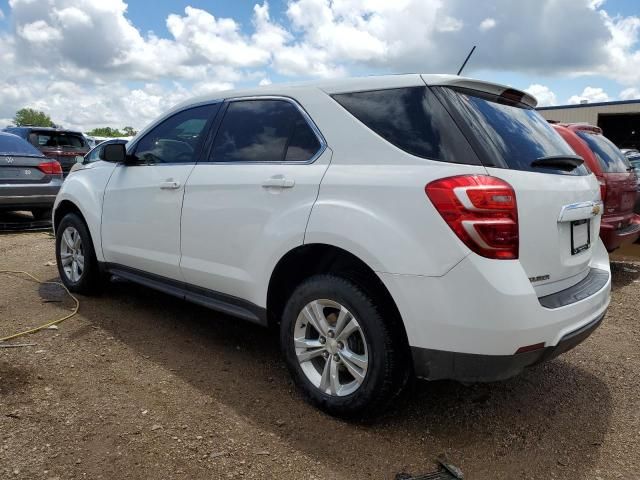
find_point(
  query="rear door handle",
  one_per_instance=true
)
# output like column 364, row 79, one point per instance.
column 170, row 185
column 278, row 181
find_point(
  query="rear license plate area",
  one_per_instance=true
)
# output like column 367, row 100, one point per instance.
column 580, row 236
column 13, row 173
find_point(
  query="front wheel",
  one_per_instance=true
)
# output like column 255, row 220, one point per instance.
column 343, row 355
column 76, row 258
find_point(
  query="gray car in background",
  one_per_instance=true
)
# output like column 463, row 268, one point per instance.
column 28, row 180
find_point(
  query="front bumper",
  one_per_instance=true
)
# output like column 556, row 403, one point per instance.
column 468, row 367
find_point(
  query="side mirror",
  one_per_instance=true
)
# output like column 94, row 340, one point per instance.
column 115, row 153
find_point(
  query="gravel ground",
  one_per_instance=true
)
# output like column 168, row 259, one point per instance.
column 140, row 385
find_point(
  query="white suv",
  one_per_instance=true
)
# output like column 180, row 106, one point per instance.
column 389, row 226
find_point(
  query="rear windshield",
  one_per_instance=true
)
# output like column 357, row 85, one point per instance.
column 13, row 145
column 611, row 159
column 412, row 119
column 511, row 134
column 58, row 139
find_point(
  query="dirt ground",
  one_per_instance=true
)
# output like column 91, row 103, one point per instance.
column 140, row 385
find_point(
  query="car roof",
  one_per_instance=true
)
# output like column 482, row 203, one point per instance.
column 354, row 84
column 45, row 129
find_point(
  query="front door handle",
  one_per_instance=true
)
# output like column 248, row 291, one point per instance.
column 278, row 181
column 170, row 185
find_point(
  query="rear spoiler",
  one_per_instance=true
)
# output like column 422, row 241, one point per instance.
column 479, row 85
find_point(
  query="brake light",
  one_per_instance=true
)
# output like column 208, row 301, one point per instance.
column 482, row 212
column 50, row 168
column 603, row 188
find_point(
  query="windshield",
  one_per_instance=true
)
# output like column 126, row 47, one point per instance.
column 59, row 139
column 611, row 159
column 13, row 145
column 513, row 135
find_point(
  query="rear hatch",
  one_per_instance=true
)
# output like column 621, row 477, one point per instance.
column 19, row 169
column 620, row 178
column 20, row 162
column 557, row 197
column 66, row 147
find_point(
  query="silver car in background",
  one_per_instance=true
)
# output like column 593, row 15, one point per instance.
column 28, row 180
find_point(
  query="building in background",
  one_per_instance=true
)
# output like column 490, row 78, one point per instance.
column 620, row 121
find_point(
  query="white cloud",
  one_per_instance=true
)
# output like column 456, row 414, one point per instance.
column 39, row 32
column 543, row 94
column 487, row 24
column 630, row 94
column 264, row 81
column 1, row 14
column 591, row 95
column 94, row 50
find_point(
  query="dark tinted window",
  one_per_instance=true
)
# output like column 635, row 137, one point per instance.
column 303, row 143
column 512, row 135
column 176, row 139
column 264, row 131
column 12, row 145
column 611, row 159
column 64, row 140
column 410, row 118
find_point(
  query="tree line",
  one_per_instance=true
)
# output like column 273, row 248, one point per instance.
column 35, row 118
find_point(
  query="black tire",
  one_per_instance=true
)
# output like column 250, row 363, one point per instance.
column 41, row 213
column 90, row 280
column 386, row 374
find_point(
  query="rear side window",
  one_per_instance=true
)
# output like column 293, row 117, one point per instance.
column 511, row 135
column 611, row 159
column 264, row 131
column 410, row 118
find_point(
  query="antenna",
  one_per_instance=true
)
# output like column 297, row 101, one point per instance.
column 466, row 60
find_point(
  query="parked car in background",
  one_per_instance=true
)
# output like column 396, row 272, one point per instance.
column 66, row 146
column 635, row 163
column 618, row 181
column 630, row 152
column 426, row 224
column 28, row 179
column 97, row 153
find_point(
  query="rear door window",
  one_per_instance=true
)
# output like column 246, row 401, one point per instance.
column 264, row 131
column 412, row 119
column 510, row 134
column 611, row 159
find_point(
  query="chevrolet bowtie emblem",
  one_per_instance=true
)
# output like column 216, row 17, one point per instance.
column 595, row 210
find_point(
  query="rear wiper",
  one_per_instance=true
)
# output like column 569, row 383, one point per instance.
column 561, row 162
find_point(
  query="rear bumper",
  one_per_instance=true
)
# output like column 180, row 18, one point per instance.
column 484, row 311
column 467, row 367
column 614, row 238
column 28, row 196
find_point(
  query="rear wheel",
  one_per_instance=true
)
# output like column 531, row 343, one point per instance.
column 76, row 258
column 343, row 355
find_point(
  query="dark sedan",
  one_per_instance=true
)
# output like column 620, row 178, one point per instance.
column 28, row 179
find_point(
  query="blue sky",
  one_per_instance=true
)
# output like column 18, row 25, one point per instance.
column 150, row 54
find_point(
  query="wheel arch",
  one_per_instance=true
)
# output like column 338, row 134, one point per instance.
column 306, row 260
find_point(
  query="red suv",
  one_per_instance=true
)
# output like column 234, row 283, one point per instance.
column 618, row 182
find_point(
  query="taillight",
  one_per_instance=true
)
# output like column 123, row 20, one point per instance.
column 50, row 168
column 482, row 212
column 603, row 189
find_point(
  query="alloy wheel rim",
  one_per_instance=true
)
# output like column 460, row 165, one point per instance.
column 72, row 254
column 331, row 347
